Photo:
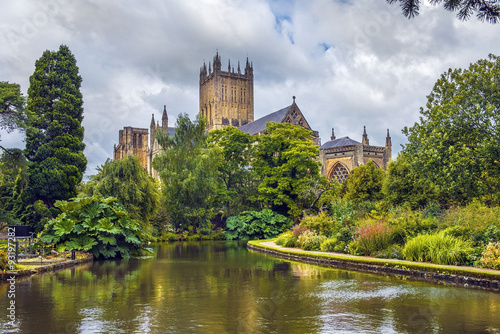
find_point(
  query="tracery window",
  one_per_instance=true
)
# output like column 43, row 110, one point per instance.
column 340, row 172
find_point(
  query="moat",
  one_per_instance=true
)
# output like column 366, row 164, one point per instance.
column 221, row 287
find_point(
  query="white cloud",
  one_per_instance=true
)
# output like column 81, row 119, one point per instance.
column 349, row 63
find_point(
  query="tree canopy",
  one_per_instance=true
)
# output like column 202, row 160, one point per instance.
column 364, row 183
column 456, row 143
column 11, row 107
column 286, row 162
column 130, row 184
column 485, row 10
column 54, row 134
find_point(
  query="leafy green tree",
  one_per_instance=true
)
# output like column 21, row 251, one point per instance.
column 405, row 186
column 364, row 183
column 13, row 181
column 130, row 184
column 54, row 134
column 485, row 10
column 456, row 143
column 188, row 173
column 11, row 107
column 95, row 224
column 236, row 151
column 251, row 225
column 286, row 162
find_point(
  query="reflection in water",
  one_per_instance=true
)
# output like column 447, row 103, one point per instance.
column 220, row 287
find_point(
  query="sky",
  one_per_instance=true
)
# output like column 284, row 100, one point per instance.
column 349, row 63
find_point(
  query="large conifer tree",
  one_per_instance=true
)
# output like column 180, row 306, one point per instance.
column 54, row 136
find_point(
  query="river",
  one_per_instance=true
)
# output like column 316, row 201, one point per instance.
column 221, row 287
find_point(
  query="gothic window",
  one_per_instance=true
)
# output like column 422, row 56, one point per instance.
column 340, row 172
column 140, row 140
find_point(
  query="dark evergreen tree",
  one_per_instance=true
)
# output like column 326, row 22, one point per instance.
column 54, row 133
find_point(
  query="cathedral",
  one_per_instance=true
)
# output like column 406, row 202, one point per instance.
column 227, row 99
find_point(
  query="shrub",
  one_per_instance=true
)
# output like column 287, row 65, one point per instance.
column 286, row 239
column 297, row 230
column 310, row 241
column 491, row 256
column 407, row 224
column 321, row 224
column 265, row 224
column 373, row 236
column 4, row 260
column 391, row 252
column 440, row 248
column 100, row 226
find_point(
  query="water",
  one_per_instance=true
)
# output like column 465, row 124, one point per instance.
column 221, row 287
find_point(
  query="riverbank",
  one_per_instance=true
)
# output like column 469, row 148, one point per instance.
column 469, row 277
column 44, row 267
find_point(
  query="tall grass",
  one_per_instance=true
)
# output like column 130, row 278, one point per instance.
column 440, row 248
column 372, row 237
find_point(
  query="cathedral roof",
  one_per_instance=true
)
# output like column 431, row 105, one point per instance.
column 344, row 141
column 260, row 124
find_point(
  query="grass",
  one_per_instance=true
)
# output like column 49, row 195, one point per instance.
column 393, row 263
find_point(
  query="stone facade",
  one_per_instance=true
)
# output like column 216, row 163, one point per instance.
column 134, row 141
column 339, row 156
column 226, row 98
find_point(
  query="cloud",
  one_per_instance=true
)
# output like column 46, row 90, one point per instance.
column 349, row 64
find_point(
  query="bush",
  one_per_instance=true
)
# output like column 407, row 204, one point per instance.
column 321, row 224
column 407, row 224
column 298, row 230
column 100, row 226
column 391, row 252
column 286, row 239
column 4, row 260
column 250, row 225
column 440, row 248
column 333, row 245
column 373, row 236
column 310, row 241
column 491, row 256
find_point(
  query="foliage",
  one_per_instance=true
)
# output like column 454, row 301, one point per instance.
column 485, row 10
column 333, row 245
column 406, row 224
column 364, row 183
column 11, row 107
column 100, row 226
column 286, row 239
column 250, row 225
column 13, row 182
column 440, row 248
column 4, row 260
column 342, row 211
column 321, row 224
column 309, row 240
column 405, row 186
column 235, row 153
column 491, row 256
column 298, row 230
column 125, row 180
column 286, row 162
column 372, row 236
column 54, row 134
column 456, row 144
column 188, row 173
column 391, row 252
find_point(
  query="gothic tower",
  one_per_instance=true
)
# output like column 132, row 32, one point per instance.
column 226, row 98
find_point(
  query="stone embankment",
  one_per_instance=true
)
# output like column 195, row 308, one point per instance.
column 4, row 275
column 469, row 277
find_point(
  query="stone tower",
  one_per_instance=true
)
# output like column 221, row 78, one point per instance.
column 226, row 98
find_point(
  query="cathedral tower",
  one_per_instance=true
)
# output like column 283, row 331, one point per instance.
column 226, row 98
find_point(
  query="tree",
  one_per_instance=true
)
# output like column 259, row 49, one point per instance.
column 405, row 186
column 236, row 151
column 11, row 107
column 54, row 134
column 364, row 183
column 13, row 181
column 188, row 173
column 488, row 10
column 125, row 180
column 286, row 162
column 456, row 143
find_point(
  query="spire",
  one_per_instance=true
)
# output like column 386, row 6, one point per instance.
column 365, row 137
column 164, row 119
column 217, row 64
column 229, row 66
column 239, row 71
column 152, row 119
column 152, row 131
column 293, row 97
column 388, row 142
column 333, row 135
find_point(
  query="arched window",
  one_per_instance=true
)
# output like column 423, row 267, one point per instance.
column 340, row 172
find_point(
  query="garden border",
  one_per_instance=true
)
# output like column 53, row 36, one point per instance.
column 469, row 277
column 4, row 275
